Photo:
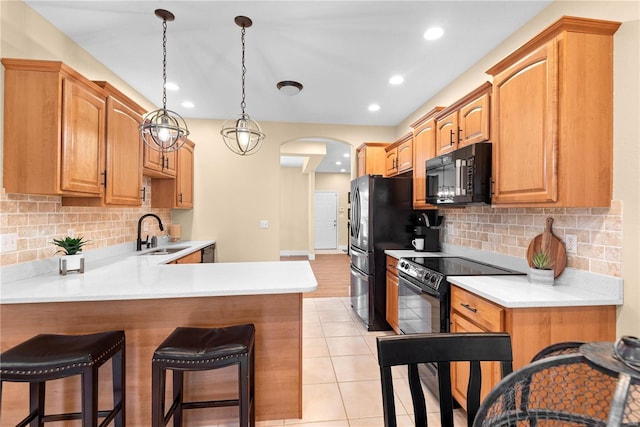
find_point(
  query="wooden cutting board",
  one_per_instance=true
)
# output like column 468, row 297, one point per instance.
column 554, row 247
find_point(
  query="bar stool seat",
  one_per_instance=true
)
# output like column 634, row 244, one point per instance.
column 200, row 349
column 48, row 357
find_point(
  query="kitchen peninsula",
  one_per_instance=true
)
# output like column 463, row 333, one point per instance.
column 146, row 297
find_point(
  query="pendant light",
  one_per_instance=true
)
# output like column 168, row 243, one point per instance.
column 243, row 135
column 164, row 130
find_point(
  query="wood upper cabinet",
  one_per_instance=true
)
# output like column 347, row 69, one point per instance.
column 123, row 154
column 531, row 329
column 54, row 130
column 371, row 158
column 157, row 164
column 552, row 114
column 176, row 192
column 465, row 122
column 392, row 293
column 399, row 156
column 424, row 148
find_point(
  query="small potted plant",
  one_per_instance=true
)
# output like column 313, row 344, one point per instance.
column 73, row 259
column 542, row 272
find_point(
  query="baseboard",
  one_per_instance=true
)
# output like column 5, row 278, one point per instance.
column 294, row 253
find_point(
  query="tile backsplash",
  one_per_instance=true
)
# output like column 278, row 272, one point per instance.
column 37, row 220
column 508, row 231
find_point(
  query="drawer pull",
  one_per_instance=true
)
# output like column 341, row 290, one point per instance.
column 468, row 307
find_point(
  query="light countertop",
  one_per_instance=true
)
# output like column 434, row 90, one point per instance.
column 140, row 276
column 517, row 292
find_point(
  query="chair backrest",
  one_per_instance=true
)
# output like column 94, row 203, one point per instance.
column 441, row 349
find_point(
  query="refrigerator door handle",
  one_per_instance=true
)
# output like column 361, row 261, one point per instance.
column 357, row 273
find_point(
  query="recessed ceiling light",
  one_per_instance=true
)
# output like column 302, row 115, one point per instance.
column 433, row 33
column 188, row 104
column 172, row 86
column 374, row 107
column 396, row 80
column 338, row 163
column 346, row 155
column 343, row 170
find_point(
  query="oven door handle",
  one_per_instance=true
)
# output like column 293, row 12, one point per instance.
column 417, row 288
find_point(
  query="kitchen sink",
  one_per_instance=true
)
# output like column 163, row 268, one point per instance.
column 165, row 251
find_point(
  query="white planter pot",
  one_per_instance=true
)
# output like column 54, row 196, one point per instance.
column 541, row 277
column 71, row 263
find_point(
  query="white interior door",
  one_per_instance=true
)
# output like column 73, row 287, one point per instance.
column 326, row 220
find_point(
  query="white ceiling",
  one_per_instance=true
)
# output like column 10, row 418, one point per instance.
column 343, row 52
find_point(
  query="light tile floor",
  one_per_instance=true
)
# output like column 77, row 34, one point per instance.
column 341, row 380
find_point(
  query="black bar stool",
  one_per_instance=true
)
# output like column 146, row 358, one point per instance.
column 200, row 349
column 49, row 357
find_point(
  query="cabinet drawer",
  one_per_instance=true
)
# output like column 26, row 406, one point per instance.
column 392, row 265
column 478, row 310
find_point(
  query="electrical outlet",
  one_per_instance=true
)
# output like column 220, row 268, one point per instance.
column 264, row 223
column 145, row 226
column 571, row 243
column 8, row 242
column 71, row 232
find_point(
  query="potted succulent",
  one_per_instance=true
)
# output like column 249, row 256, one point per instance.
column 73, row 259
column 542, row 272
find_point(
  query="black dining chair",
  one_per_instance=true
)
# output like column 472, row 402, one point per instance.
column 441, row 349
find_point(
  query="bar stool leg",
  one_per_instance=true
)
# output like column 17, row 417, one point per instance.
column 119, row 386
column 178, row 397
column 36, row 403
column 252, row 371
column 243, row 381
column 158, row 387
column 90, row 397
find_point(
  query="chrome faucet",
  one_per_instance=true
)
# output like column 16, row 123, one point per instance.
column 139, row 241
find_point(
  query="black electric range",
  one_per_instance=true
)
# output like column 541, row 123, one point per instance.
column 430, row 273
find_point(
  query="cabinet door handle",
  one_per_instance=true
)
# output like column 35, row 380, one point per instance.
column 468, row 307
column 144, row 194
column 180, row 197
column 459, row 135
column 451, row 137
column 104, row 179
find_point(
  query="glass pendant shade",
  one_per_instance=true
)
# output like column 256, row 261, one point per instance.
column 164, row 130
column 243, row 136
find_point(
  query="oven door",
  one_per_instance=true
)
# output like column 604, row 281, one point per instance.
column 418, row 310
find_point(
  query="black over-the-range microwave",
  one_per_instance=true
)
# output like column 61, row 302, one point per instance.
column 460, row 177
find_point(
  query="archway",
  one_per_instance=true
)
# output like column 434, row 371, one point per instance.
column 309, row 165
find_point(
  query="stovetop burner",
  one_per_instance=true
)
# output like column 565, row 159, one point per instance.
column 431, row 272
column 456, row 266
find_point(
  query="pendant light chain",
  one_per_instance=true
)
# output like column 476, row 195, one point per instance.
column 244, row 71
column 163, row 130
column 242, row 135
column 164, row 64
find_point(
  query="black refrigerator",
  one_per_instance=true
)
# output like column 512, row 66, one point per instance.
column 381, row 211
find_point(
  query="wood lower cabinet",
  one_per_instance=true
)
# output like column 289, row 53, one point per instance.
column 531, row 329
column 552, row 114
column 424, row 148
column 176, row 193
column 123, row 154
column 192, row 258
column 371, row 158
column 464, row 122
column 54, row 130
column 392, row 294
column 399, row 156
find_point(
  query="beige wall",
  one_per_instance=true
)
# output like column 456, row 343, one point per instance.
column 233, row 194
column 294, row 221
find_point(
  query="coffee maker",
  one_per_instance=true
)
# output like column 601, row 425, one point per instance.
column 427, row 227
